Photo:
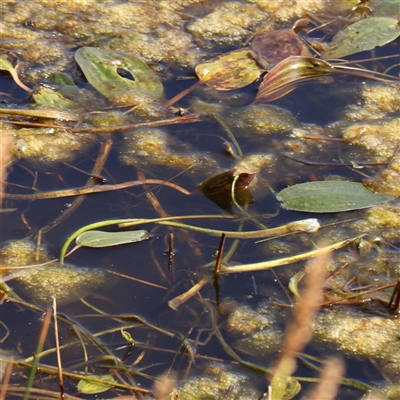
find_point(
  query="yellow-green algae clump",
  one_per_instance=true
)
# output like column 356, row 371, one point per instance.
column 261, row 119
column 217, row 383
column 385, row 216
column 154, row 147
column 256, row 330
column 375, row 102
column 228, row 23
column 381, row 139
column 285, row 11
column 46, row 146
column 166, row 31
column 357, row 333
column 65, row 282
column 377, row 130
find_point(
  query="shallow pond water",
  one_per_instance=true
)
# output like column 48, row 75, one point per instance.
column 223, row 341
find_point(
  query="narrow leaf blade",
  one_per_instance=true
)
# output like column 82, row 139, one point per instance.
column 91, row 387
column 107, row 239
column 289, row 74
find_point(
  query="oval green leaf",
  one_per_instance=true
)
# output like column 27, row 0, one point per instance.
column 363, row 35
column 107, row 239
column 329, row 196
column 284, row 387
column 104, row 69
column 229, row 71
column 91, row 387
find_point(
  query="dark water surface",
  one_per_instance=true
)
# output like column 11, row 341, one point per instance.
column 123, row 303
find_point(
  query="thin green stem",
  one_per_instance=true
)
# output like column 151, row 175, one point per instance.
column 262, row 266
column 229, row 133
column 123, row 223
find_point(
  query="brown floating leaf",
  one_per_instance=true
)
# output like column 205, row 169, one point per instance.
column 218, row 188
column 222, row 183
column 278, row 44
column 289, row 74
column 229, row 71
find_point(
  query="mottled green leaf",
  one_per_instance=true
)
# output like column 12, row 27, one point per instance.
column 229, row 71
column 105, row 70
column 363, row 35
column 5, row 62
column 47, row 97
column 329, row 196
column 106, row 239
column 90, row 387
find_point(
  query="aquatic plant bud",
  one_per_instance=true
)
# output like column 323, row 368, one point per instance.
column 305, row 225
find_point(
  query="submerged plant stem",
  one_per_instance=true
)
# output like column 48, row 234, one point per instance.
column 124, row 223
column 306, row 225
column 229, row 133
column 171, row 121
column 39, row 348
column 262, row 266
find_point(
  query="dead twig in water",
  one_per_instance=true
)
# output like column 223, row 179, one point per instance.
column 104, row 152
column 59, row 365
column 89, row 190
column 171, row 121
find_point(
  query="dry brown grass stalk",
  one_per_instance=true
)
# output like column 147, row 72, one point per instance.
column 5, row 375
column 164, row 386
column 330, row 380
column 59, row 364
column 5, row 158
column 299, row 332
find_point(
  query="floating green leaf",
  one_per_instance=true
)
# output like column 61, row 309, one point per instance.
column 60, row 78
column 107, row 239
column 329, row 196
column 363, row 35
column 53, row 99
column 104, row 69
column 290, row 73
column 284, row 387
column 92, row 387
column 229, row 71
column 294, row 283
